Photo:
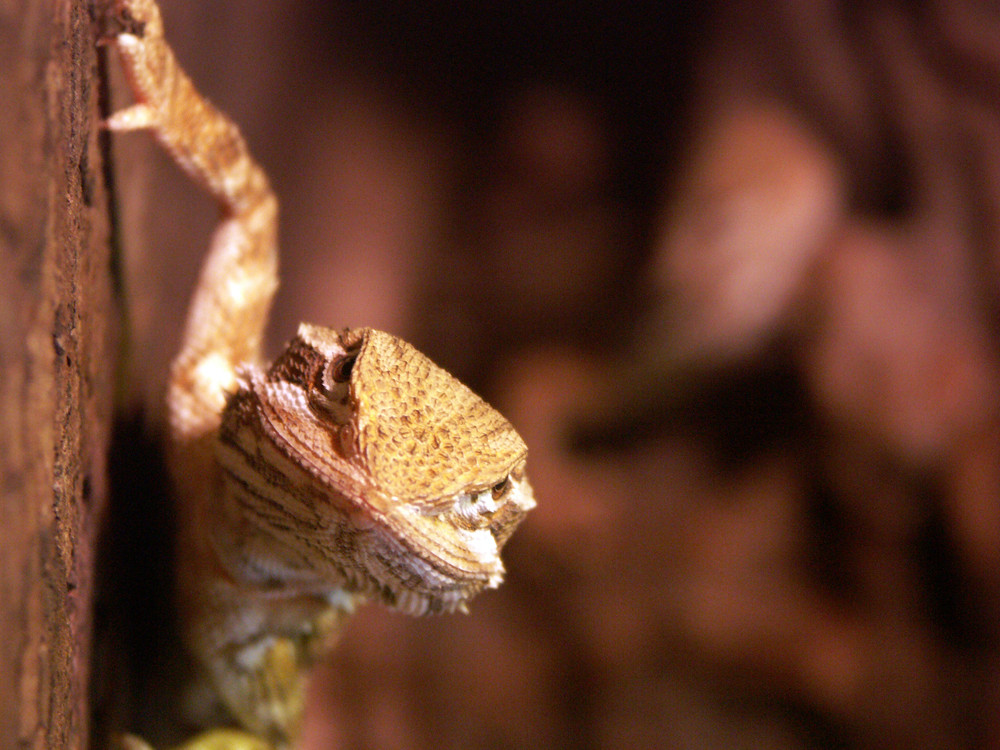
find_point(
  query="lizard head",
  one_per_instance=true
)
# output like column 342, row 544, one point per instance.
column 375, row 468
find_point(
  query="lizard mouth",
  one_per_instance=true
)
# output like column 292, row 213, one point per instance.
column 428, row 580
column 432, row 564
column 410, row 598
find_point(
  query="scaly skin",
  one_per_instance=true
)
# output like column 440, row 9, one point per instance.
column 351, row 468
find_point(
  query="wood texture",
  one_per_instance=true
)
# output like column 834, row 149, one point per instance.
column 56, row 367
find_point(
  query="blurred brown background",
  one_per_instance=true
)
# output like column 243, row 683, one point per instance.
column 732, row 272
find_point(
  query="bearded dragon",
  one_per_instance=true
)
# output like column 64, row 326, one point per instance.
column 350, row 468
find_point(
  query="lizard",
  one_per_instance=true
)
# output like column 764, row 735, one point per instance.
column 351, row 468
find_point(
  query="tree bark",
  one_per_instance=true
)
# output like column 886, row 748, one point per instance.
column 57, row 333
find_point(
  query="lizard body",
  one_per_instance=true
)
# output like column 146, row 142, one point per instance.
column 350, row 468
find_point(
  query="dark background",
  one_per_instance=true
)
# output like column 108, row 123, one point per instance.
column 732, row 272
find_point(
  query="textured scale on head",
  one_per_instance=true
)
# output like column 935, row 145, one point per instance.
column 399, row 481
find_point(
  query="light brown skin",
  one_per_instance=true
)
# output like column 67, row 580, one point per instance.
column 351, row 468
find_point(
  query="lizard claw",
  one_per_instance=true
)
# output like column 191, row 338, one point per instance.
column 136, row 117
column 129, row 17
column 139, row 18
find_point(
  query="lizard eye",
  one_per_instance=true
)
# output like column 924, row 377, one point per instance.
column 500, row 487
column 332, row 380
column 339, row 371
column 332, row 392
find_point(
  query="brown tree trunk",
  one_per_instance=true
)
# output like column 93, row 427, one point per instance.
column 57, row 319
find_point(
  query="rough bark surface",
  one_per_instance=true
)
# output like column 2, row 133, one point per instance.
column 56, row 371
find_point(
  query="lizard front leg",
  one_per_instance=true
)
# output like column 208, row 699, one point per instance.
column 224, row 329
column 229, row 311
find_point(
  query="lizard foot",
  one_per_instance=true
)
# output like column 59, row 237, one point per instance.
column 263, row 685
column 148, row 63
column 215, row 739
column 226, row 739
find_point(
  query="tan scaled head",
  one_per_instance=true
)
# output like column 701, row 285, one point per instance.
column 403, row 483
